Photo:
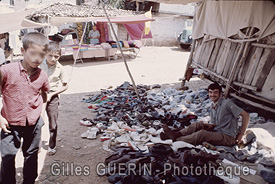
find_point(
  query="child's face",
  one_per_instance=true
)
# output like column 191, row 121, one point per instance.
column 52, row 58
column 34, row 55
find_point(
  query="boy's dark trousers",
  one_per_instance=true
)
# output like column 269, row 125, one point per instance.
column 11, row 142
column 52, row 112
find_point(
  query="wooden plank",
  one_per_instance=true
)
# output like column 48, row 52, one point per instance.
column 233, row 59
column 246, row 63
column 229, row 59
column 261, row 98
column 253, row 65
column 205, row 52
column 197, row 50
column 201, row 56
column 258, row 105
column 219, row 55
column 214, row 55
column 222, row 61
column 259, row 69
column 233, row 70
column 263, row 45
column 266, row 69
column 211, row 48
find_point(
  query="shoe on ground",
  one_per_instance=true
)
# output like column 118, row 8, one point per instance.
column 51, row 151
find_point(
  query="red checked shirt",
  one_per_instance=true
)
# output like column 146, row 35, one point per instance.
column 22, row 101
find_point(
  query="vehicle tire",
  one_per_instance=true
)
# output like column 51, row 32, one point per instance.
column 185, row 46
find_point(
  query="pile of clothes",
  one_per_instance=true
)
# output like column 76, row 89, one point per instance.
column 126, row 165
column 128, row 122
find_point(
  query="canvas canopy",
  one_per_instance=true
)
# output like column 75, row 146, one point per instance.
column 12, row 21
column 62, row 13
column 224, row 19
column 57, row 21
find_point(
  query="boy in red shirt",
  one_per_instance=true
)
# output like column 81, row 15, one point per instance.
column 24, row 88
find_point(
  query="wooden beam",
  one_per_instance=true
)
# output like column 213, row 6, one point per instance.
column 209, row 71
column 261, row 106
column 260, row 98
column 266, row 46
column 253, row 88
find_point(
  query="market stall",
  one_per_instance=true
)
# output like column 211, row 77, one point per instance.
column 84, row 15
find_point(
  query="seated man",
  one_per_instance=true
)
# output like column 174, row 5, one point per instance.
column 223, row 127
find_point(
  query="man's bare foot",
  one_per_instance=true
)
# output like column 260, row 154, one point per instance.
column 170, row 134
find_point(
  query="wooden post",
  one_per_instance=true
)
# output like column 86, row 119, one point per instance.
column 120, row 49
column 189, row 62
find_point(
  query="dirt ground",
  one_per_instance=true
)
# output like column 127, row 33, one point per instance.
column 153, row 65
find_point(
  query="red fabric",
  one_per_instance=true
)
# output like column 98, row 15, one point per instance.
column 22, row 100
column 135, row 31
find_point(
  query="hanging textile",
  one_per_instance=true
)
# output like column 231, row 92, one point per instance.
column 136, row 31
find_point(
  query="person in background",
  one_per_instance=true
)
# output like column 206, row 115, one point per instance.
column 94, row 35
column 58, row 84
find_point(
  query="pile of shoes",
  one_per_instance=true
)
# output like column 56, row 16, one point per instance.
column 136, row 123
column 122, row 104
column 125, row 119
column 160, row 165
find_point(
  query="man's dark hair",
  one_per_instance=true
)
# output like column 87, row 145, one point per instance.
column 35, row 38
column 215, row 85
column 54, row 47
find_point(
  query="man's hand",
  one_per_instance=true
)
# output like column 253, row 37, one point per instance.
column 209, row 127
column 239, row 139
column 4, row 125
